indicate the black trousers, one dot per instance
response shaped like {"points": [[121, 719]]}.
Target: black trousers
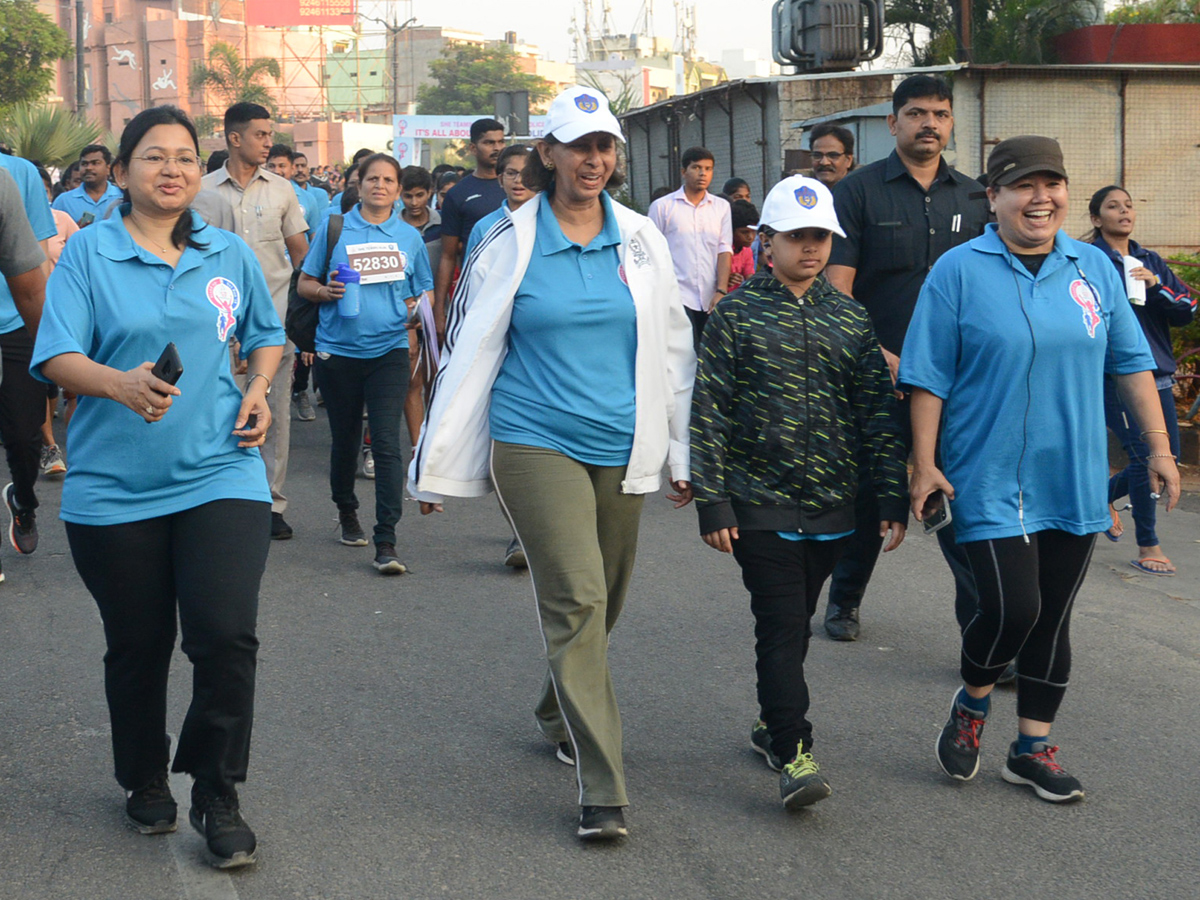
{"points": [[382, 383], [1026, 592], [697, 317], [784, 579], [22, 412], [853, 572], [206, 563]]}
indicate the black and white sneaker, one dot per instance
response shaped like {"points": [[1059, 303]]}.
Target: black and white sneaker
{"points": [[958, 744], [230, 841], [151, 809], [514, 556], [565, 753], [352, 532], [602, 823], [386, 560], [22, 523], [1041, 771], [760, 743]]}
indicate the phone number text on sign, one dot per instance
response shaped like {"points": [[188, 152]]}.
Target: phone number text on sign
{"points": [[378, 262]]}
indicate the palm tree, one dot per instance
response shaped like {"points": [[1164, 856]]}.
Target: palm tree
{"points": [[234, 81], [48, 134]]}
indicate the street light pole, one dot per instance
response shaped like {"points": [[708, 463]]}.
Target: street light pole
{"points": [[80, 80], [393, 31]]}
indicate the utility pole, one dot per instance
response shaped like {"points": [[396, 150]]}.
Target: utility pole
{"points": [[80, 79], [393, 31]]}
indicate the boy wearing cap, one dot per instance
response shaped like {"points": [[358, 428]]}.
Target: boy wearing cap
{"points": [[791, 391]]}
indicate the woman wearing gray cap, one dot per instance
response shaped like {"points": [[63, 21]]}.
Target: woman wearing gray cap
{"points": [[1007, 350], [569, 370]]}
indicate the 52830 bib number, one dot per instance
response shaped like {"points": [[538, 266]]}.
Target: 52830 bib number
{"points": [[377, 263]]}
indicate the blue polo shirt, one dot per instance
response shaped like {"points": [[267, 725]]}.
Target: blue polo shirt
{"points": [[380, 325], [308, 203], [971, 344], [567, 382], [482, 226], [37, 207], [119, 305], [318, 195], [77, 202]]}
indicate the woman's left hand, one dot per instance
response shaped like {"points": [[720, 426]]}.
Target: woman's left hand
{"points": [[684, 497], [254, 403], [1141, 273], [1164, 474]]}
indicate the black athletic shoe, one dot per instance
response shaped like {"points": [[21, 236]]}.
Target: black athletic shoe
{"points": [[230, 841], [151, 809], [352, 533], [841, 623], [760, 742], [1040, 771], [514, 556], [386, 561], [22, 523], [565, 753], [280, 530], [801, 782], [958, 744], [602, 823]]}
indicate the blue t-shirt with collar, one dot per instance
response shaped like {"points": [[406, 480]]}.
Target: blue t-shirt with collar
{"points": [[567, 382], [984, 327], [37, 207], [312, 210], [119, 305], [383, 313], [78, 201]]}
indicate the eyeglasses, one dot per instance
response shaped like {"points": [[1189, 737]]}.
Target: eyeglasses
{"points": [[832, 157], [158, 161]]}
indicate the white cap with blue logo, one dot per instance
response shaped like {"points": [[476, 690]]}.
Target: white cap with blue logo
{"points": [[578, 111], [800, 202]]}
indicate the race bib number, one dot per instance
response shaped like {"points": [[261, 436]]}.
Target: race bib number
{"points": [[377, 263]]}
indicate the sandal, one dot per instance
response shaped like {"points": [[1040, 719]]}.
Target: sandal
{"points": [[1139, 564], [1117, 529]]}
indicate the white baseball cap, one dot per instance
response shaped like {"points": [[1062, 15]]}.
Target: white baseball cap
{"points": [[578, 111], [799, 202]]}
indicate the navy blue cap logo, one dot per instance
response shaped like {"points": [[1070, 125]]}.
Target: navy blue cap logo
{"points": [[806, 197], [587, 103]]}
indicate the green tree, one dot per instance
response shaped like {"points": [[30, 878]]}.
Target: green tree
{"points": [[1156, 12], [49, 134], [30, 45], [1013, 31], [466, 75], [235, 81]]}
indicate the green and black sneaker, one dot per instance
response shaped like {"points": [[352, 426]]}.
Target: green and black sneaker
{"points": [[801, 782], [760, 743]]}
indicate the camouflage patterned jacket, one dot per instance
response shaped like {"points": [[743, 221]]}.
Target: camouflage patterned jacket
{"points": [[791, 396]]}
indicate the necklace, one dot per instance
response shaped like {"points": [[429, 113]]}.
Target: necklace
{"points": [[131, 220]]}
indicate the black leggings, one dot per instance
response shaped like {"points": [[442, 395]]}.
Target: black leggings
{"points": [[207, 563], [1026, 591]]}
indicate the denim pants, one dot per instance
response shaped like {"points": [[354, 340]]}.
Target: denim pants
{"points": [[381, 383], [1134, 481], [205, 564], [784, 579]]}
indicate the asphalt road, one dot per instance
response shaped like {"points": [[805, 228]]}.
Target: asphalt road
{"points": [[395, 754]]}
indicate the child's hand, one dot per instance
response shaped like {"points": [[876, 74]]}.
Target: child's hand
{"points": [[898, 530], [684, 497], [721, 540]]}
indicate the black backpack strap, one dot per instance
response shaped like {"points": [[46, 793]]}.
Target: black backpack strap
{"points": [[332, 235]]}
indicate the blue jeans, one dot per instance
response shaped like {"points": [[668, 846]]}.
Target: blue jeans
{"points": [[382, 383], [1134, 481]]}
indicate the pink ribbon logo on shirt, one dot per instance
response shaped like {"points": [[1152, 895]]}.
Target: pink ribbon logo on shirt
{"points": [[225, 296], [1081, 293]]}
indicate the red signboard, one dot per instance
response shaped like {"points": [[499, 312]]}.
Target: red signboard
{"points": [[281, 13]]}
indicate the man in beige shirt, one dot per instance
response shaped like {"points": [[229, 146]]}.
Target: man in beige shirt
{"points": [[262, 209]]}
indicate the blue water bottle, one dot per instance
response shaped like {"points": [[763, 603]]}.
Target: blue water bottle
{"points": [[348, 304]]}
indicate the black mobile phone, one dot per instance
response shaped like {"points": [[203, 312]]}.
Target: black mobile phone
{"points": [[936, 513], [169, 366]]}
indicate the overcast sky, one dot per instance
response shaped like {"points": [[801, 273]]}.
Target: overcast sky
{"points": [[721, 24]]}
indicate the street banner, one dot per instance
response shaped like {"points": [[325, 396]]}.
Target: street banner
{"points": [[285, 13], [409, 131]]}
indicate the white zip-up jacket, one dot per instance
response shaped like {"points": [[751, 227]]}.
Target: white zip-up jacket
{"points": [[453, 455]]}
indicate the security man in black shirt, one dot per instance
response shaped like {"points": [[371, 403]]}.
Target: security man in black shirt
{"points": [[899, 214]]}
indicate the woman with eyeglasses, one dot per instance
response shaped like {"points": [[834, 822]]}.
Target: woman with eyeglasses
{"points": [[166, 503]]}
